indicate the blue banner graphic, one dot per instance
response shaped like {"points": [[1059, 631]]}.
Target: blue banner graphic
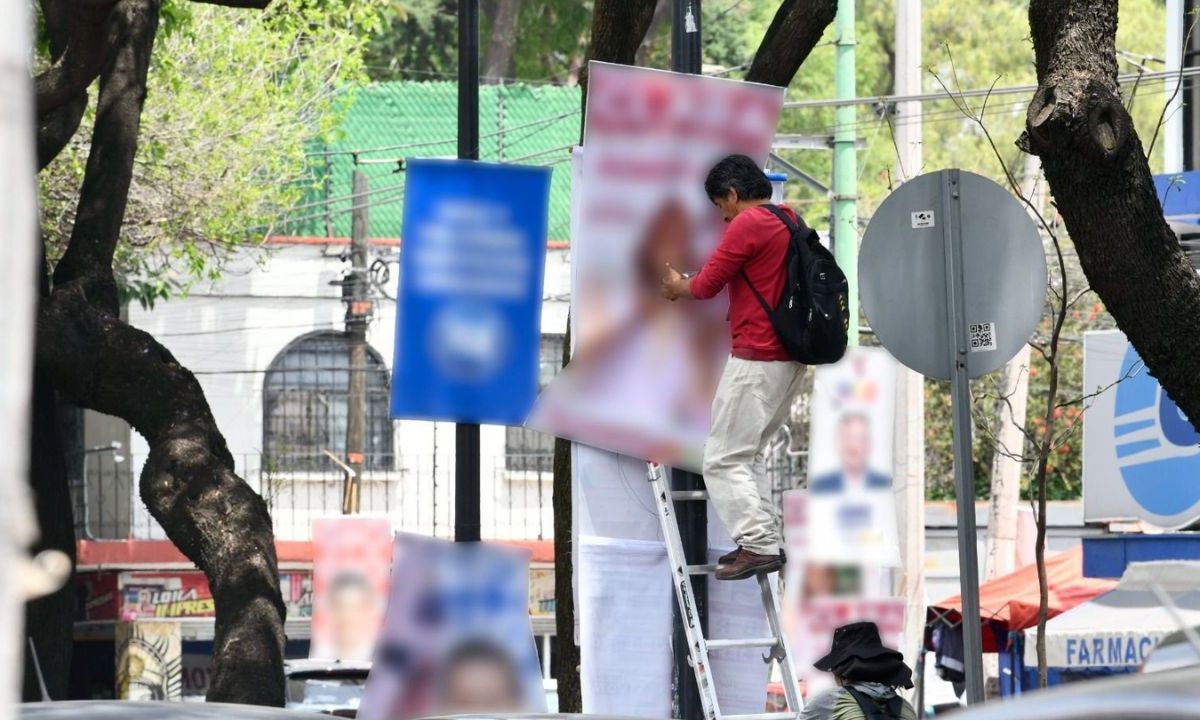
{"points": [[469, 303]]}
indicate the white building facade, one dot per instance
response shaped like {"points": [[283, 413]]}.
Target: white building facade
{"points": [[267, 344]]}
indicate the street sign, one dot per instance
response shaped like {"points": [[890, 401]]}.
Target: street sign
{"points": [[469, 302], [904, 257], [1141, 456], [953, 281]]}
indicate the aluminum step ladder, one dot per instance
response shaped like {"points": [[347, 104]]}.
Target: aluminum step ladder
{"points": [[698, 646]]}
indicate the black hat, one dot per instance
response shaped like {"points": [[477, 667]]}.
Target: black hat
{"points": [[858, 654]]}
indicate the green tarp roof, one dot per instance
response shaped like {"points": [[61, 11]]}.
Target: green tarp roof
{"points": [[529, 124]]}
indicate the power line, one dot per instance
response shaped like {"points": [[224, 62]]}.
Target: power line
{"points": [[976, 92]]}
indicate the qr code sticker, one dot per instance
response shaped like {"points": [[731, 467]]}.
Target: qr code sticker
{"points": [[983, 337]]}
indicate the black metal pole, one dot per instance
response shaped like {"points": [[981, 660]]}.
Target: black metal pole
{"points": [[466, 435], [692, 516]]}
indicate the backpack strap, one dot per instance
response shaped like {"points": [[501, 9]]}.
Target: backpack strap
{"points": [[794, 231], [872, 710]]}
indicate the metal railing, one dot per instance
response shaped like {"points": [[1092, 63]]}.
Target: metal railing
{"points": [[415, 491]]}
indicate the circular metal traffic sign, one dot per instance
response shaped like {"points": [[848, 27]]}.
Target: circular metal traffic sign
{"points": [[907, 265]]}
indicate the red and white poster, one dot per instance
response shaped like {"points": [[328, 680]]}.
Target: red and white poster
{"points": [[645, 369], [352, 561]]}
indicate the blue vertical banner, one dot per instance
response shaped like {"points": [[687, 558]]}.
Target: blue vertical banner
{"points": [[469, 303]]}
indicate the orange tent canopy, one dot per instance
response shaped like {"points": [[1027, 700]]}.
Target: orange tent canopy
{"points": [[1012, 600]]}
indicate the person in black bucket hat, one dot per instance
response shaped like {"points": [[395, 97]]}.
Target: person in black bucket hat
{"points": [[867, 675]]}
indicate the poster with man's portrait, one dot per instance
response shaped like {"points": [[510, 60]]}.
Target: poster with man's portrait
{"points": [[852, 501], [352, 560]]}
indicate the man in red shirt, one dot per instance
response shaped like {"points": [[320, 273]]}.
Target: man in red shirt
{"points": [[755, 393]]}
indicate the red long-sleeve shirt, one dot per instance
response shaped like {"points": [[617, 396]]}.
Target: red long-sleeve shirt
{"points": [[755, 241]]}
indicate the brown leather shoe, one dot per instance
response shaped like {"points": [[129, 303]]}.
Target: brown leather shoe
{"points": [[732, 555], [746, 564]]}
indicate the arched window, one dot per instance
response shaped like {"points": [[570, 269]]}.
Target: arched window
{"points": [[306, 399]]}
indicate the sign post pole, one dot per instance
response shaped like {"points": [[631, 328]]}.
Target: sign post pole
{"points": [[692, 516], [466, 435], [960, 400]]}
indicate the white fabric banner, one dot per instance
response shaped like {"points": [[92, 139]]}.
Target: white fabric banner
{"points": [[624, 627]]}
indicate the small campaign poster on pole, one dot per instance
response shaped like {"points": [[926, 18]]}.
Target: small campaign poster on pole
{"points": [[469, 302]]}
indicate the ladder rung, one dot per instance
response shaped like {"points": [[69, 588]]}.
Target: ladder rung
{"points": [[701, 569], [748, 642], [689, 494], [764, 716]]}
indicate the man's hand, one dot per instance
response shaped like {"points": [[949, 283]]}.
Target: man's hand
{"points": [[675, 285]]}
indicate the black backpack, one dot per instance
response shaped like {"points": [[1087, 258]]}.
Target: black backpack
{"points": [[812, 317]]}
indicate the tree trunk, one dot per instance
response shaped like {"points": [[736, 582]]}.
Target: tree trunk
{"points": [[570, 694], [662, 14], [1102, 186], [792, 35], [98, 362], [618, 27], [500, 62]]}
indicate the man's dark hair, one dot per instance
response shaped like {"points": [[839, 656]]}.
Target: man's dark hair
{"points": [[740, 173]]}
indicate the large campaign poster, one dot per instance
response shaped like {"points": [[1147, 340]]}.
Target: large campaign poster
{"points": [[1141, 456], [645, 369], [469, 301], [457, 638], [841, 532], [352, 559]]}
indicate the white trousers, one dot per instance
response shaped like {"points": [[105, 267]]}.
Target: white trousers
{"points": [[752, 402]]}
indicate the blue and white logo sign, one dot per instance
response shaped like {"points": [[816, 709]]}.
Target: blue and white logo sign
{"points": [[468, 317], [1141, 456]]}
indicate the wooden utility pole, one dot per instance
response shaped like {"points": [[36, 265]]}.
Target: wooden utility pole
{"points": [[357, 294], [1005, 500], [909, 438]]}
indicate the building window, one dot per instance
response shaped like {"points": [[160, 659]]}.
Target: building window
{"points": [[306, 400], [526, 450]]}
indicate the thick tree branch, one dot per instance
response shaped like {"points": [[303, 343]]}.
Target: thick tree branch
{"points": [[251, 4], [77, 66], [188, 482], [56, 129], [792, 35], [1103, 188], [105, 190]]}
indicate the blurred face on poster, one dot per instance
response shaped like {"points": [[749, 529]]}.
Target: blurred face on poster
{"points": [[480, 677], [354, 614], [854, 443]]}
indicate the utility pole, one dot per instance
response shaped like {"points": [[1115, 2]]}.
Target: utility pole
{"points": [[845, 163], [466, 435], [692, 516], [1004, 504], [909, 438], [356, 293]]}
